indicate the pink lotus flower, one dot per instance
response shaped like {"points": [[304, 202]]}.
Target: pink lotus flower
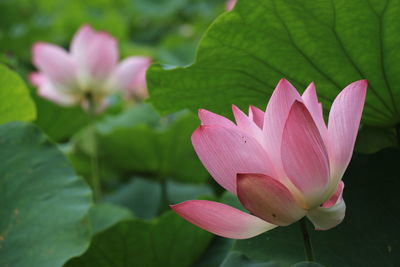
{"points": [[90, 68], [283, 164], [230, 4]]}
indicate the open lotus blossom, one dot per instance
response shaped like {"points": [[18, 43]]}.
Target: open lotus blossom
{"points": [[230, 4], [90, 69], [282, 165]]}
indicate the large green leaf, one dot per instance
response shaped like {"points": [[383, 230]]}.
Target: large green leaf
{"points": [[368, 236], [245, 53], [16, 104], [43, 203], [105, 215], [59, 123], [373, 139], [167, 241]]}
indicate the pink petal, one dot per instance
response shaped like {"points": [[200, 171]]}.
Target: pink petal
{"points": [[311, 102], [304, 155], [81, 38], [221, 219], [54, 62], [48, 91], [226, 151], [328, 216], [268, 199], [96, 54], [275, 117], [208, 118], [130, 75], [336, 197], [257, 116], [247, 125], [36, 78], [230, 4], [344, 121]]}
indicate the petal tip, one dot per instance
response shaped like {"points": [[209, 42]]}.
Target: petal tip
{"points": [[201, 113], [36, 46], [174, 206], [86, 27], [361, 83], [285, 86], [284, 83], [177, 208], [311, 86], [235, 109], [107, 36], [283, 80], [34, 78]]}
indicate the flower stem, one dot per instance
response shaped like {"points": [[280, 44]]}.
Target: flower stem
{"points": [[307, 240], [164, 196], [94, 159]]}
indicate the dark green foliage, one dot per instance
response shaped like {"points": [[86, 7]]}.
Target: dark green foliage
{"points": [[168, 241], [43, 206]]}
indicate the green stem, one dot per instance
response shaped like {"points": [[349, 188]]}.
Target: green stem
{"points": [[307, 240], [164, 196], [94, 159]]}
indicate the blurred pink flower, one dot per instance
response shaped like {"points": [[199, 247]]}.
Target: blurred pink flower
{"points": [[282, 165], [230, 4], [90, 68]]}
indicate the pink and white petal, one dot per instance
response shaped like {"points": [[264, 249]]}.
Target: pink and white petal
{"points": [[81, 39], [344, 121], [275, 117], [268, 199], [304, 155], [36, 78], [221, 219], [327, 218], [48, 91], [225, 152], [209, 118], [130, 74], [256, 115], [55, 63], [96, 54], [311, 102], [247, 125], [336, 197]]}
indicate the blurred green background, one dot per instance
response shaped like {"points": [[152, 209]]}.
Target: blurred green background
{"points": [[168, 30]]}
